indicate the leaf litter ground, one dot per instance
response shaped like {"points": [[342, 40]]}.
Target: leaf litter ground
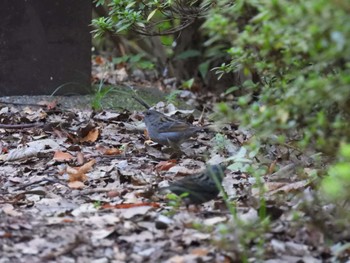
{"points": [[79, 186]]}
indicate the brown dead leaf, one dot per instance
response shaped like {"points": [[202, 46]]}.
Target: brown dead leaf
{"points": [[145, 132], [91, 136], [214, 220], [59, 133], [182, 259], [6, 235], [113, 193], [201, 252], [87, 167], [108, 151], [62, 156], [277, 187], [272, 167], [291, 187], [99, 60], [79, 173], [10, 210], [78, 177], [4, 149], [165, 165], [50, 105], [285, 172], [76, 185], [181, 170], [126, 206], [272, 186], [113, 151], [67, 220], [269, 187], [80, 158], [120, 74]]}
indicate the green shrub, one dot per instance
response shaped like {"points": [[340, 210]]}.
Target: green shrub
{"points": [[336, 185], [298, 54]]}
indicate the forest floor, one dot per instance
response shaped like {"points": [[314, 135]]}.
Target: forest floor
{"points": [[77, 185]]}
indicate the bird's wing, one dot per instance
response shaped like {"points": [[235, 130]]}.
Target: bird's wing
{"points": [[171, 125], [191, 183]]}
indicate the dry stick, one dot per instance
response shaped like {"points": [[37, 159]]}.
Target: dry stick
{"points": [[95, 191], [40, 181], [21, 104], [68, 248], [21, 125], [21, 195]]}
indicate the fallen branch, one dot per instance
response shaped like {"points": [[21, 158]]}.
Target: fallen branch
{"points": [[21, 125], [40, 181]]}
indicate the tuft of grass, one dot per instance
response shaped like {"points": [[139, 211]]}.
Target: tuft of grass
{"points": [[101, 92], [172, 97], [97, 204], [175, 202]]}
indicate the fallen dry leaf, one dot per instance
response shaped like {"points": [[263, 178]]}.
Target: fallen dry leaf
{"points": [[165, 165], [91, 136], [201, 252], [86, 167], [127, 206], [10, 210], [99, 60], [62, 156], [133, 211], [76, 184], [108, 151], [291, 187], [80, 158], [79, 173], [128, 228]]}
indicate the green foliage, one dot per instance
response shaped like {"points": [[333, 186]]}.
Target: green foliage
{"points": [[188, 83], [220, 142], [175, 203], [299, 54], [134, 61], [336, 184], [97, 204], [163, 19], [190, 53], [171, 98], [243, 161], [124, 15], [100, 93]]}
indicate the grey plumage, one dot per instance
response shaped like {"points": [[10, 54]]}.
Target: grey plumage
{"points": [[168, 131], [200, 187]]}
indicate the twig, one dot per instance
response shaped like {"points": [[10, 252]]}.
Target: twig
{"points": [[95, 191], [21, 104], [40, 181], [21, 125], [18, 197], [64, 250]]}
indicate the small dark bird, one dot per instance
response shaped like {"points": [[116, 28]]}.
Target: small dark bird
{"points": [[168, 131], [201, 187]]}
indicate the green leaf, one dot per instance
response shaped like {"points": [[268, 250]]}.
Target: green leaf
{"points": [[188, 54], [345, 150], [203, 68], [188, 83], [231, 89], [149, 17]]}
